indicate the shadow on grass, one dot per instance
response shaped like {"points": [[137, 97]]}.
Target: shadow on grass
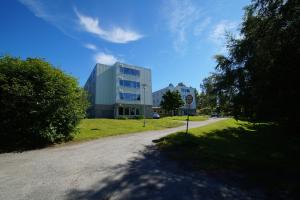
{"points": [[151, 176], [264, 152]]}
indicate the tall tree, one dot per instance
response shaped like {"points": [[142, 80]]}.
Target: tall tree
{"points": [[260, 74], [171, 101]]}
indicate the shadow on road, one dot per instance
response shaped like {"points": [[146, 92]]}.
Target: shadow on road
{"points": [[151, 176]]}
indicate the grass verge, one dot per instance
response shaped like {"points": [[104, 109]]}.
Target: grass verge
{"points": [[266, 153], [96, 128]]}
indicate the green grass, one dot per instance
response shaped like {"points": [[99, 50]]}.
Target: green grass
{"points": [[191, 118], [269, 154], [96, 128]]}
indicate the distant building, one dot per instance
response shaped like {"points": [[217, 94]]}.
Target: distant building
{"points": [[118, 90], [183, 91]]}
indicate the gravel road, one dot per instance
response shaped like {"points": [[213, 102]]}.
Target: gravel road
{"points": [[120, 167]]}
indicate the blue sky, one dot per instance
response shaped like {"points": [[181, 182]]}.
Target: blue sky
{"points": [[177, 39]]}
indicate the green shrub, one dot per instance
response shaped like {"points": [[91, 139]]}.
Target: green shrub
{"points": [[139, 117], [39, 103]]}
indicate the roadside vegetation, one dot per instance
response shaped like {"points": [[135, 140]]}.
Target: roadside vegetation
{"points": [[40, 104], [258, 78], [191, 118], [256, 150], [171, 102], [96, 128]]}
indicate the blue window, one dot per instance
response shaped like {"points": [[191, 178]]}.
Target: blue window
{"points": [[130, 96], [125, 70], [130, 84], [185, 90]]}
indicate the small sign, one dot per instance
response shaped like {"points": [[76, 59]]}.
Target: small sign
{"points": [[189, 99]]}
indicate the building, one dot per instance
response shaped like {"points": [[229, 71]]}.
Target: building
{"points": [[119, 90], [183, 91]]}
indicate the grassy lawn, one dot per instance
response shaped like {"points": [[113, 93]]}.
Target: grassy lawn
{"points": [[191, 118], [266, 153], [97, 128]]}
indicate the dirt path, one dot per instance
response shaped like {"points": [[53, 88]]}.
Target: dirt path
{"points": [[121, 167]]}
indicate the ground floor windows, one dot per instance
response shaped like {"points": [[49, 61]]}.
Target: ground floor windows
{"points": [[129, 111], [121, 111], [126, 111], [132, 111]]}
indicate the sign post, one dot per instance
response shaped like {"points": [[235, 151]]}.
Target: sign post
{"points": [[188, 101]]}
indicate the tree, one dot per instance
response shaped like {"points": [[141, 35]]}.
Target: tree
{"points": [[260, 74], [39, 103], [208, 96], [171, 101], [197, 99]]}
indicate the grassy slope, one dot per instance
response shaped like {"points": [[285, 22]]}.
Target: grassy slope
{"points": [[266, 152], [191, 118], [97, 128]]}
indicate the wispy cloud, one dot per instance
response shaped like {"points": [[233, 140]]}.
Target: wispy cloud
{"points": [[104, 58], [115, 35], [220, 31], [37, 8], [200, 27], [49, 12], [90, 46], [181, 15]]}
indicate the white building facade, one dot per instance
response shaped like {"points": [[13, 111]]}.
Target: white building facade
{"points": [[119, 90], [183, 91]]}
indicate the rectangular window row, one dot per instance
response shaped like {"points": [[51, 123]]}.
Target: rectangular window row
{"points": [[128, 71], [129, 111], [185, 90], [130, 96], [130, 84]]}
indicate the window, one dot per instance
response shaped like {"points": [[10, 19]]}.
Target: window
{"points": [[132, 111], [130, 96], [126, 111], [130, 84], [137, 111], [185, 90], [125, 70], [121, 110]]}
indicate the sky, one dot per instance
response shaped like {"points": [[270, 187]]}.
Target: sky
{"points": [[176, 39]]}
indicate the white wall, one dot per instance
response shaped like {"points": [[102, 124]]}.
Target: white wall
{"points": [[105, 85], [157, 96]]}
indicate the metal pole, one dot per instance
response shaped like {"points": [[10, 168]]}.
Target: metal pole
{"points": [[187, 120], [144, 86]]}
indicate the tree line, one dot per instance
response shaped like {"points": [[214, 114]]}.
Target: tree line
{"points": [[258, 79]]}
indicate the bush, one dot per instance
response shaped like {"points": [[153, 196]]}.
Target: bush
{"points": [[39, 103], [139, 117]]}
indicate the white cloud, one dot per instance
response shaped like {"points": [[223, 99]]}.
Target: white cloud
{"points": [[199, 28], [180, 14], [51, 12], [218, 34], [104, 58], [184, 18], [90, 46], [37, 8], [116, 34]]}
